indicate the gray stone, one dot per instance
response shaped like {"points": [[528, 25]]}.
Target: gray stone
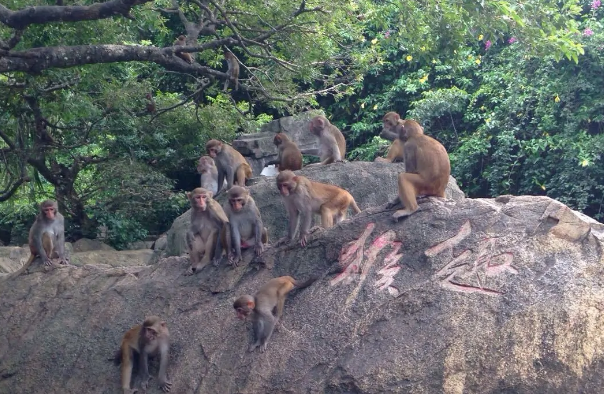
{"points": [[468, 296], [372, 184], [86, 245]]}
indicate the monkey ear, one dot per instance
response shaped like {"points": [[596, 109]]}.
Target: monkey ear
{"points": [[188, 194], [210, 194]]}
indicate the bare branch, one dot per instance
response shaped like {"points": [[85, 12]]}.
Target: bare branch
{"points": [[46, 14]]}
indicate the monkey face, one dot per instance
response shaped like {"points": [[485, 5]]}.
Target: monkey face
{"points": [[390, 121], [237, 203], [242, 313], [149, 333], [49, 212], [205, 164], [200, 199]]}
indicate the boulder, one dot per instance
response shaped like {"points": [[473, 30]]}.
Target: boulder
{"points": [[371, 184], [87, 245], [470, 296], [258, 148]]}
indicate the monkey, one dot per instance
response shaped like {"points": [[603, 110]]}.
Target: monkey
{"points": [[182, 41], [395, 151], [151, 108], [209, 174], [148, 339], [331, 140], [427, 168], [290, 157], [269, 299], [230, 164], [208, 222], [232, 71], [305, 197], [245, 224], [46, 237]]}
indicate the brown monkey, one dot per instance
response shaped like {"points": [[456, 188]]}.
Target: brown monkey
{"points": [[149, 339], [232, 71], [395, 152], [269, 298], [46, 237], [427, 167], [209, 174], [245, 224], [305, 197], [182, 41], [151, 108], [290, 157], [208, 222], [230, 164], [331, 140]]}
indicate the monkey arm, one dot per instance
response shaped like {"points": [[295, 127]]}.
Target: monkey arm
{"points": [[230, 177], [38, 242], [410, 155], [189, 238], [220, 180], [162, 378], [305, 225], [388, 135], [236, 240], [258, 228], [294, 216], [60, 245], [144, 368]]}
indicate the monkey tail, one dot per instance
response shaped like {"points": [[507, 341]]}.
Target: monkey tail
{"points": [[354, 206], [22, 269], [307, 282]]}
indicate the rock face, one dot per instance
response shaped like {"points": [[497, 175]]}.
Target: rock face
{"points": [[258, 148], [88, 245], [470, 296], [371, 184]]}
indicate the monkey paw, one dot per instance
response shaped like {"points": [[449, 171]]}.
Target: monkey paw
{"points": [[166, 386], [189, 272], [48, 263]]}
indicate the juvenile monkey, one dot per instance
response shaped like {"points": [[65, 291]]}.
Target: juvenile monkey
{"points": [[46, 237], [232, 71], [151, 108], [230, 164], [331, 140], [427, 167], [395, 152], [149, 339], [270, 298], [209, 174], [245, 224], [305, 197], [208, 222], [182, 41], [290, 157]]}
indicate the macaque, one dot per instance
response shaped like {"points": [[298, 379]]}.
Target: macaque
{"points": [[151, 108], [230, 164], [149, 339], [395, 152], [208, 222], [305, 197], [209, 174], [270, 297], [245, 224], [290, 157], [331, 140], [232, 71], [182, 41], [427, 168], [46, 237]]}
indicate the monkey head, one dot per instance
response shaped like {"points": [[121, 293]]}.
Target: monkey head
{"points": [[48, 209], [318, 124], [287, 182], [408, 128], [389, 121], [205, 164], [151, 327], [182, 38], [238, 197], [213, 148], [280, 138], [244, 305], [199, 198]]}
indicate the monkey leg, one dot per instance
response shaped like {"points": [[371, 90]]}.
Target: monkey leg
{"points": [[326, 217], [408, 185], [208, 250], [48, 246], [197, 249]]}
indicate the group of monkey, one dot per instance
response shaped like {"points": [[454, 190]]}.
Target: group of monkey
{"points": [[238, 225]]}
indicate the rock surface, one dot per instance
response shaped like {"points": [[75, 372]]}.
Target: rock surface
{"points": [[88, 245], [471, 296], [371, 185], [258, 148]]}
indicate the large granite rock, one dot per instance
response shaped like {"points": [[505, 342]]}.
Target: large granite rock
{"points": [[469, 296], [258, 148], [371, 184]]}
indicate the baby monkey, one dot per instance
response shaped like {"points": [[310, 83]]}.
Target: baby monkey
{"points": [[245, 224], [270, 298], [149, 339]]}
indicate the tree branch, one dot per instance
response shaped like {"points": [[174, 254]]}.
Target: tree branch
{"points": [[46, 14]]}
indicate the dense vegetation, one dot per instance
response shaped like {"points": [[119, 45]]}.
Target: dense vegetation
{"points": [[512, 90]]}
